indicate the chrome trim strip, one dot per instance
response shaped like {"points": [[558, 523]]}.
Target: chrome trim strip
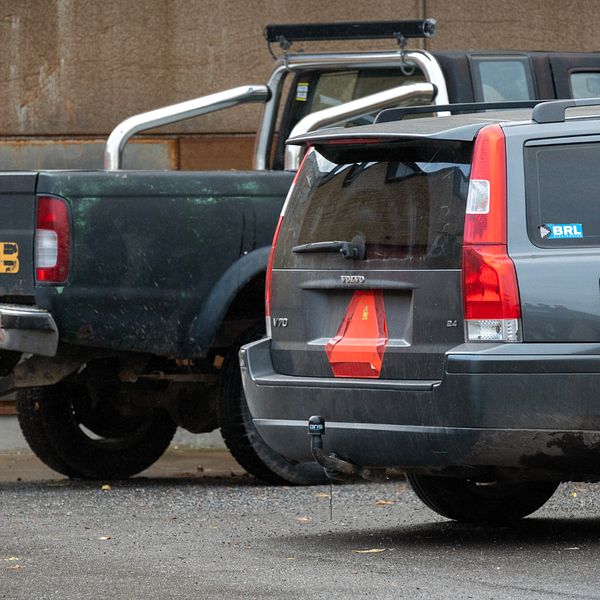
{"points": [[427, 429], [432, 429], [277, 380]]}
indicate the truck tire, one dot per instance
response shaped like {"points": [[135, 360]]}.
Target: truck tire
{"points": [[243, 440], [471, 501], [32, 428], [72, 438]]}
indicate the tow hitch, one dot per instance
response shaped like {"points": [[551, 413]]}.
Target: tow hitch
{"points": [[337, 468]]}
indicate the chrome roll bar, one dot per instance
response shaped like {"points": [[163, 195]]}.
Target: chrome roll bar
{"points": [[354, 108], [113, 151], [270, 95], [422, 59]]}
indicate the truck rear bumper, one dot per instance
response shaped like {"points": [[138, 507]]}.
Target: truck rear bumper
{"points": [[530, 412], [27, 329]]}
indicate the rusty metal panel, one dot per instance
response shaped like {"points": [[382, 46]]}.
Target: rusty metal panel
{"points": [[85, 154]]}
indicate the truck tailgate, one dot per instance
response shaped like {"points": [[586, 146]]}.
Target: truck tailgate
{"points": [[17, 228]]}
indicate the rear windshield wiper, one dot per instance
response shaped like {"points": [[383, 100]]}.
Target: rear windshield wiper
{"points": [[354, 250]]}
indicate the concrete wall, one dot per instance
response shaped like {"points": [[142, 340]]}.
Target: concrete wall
{"points": [[75, 68]]}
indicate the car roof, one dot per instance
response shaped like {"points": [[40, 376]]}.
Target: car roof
{"points": [[452, 128]]}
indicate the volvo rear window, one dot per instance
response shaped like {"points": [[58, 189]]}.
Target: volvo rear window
{"points": [[563, 204], [407, 211]]}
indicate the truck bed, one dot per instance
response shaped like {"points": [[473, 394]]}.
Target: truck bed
{"points": [[148, 250]]}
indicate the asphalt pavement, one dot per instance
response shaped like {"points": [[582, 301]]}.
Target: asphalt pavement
{"points": [[194, 526]]}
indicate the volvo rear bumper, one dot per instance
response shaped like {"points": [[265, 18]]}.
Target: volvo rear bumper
{"points": [[521, 408]]}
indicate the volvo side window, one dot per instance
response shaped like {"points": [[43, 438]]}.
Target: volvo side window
{"points": [[563, 204]]}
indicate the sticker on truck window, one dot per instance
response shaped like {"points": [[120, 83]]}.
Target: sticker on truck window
{"points": [[561, 231], [9, 257], [302, 92]]}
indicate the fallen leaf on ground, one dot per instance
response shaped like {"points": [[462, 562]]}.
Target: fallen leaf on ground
{"points": [[105, 537], [369, 551], [106, 488], [303, 519], [321, 495], [385, 502], [15, 567], [573, 494], [10, 558]]}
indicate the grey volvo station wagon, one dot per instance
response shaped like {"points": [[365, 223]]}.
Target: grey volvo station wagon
{"points": [[433, 305]]}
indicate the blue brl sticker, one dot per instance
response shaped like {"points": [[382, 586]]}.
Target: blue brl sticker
{"points": [[561, 231]]}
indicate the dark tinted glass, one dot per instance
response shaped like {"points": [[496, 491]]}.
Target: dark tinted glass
{"points": [[408, 213], [319, 90], [563, 204]]}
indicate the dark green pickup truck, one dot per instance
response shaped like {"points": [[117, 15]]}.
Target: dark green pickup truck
{"points": [[125, 295]]}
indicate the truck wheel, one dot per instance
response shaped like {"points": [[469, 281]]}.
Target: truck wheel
{"points": [[73, 437], [28, 413], [472, 501], [242, 438]]}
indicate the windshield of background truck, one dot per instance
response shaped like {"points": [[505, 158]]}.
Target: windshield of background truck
{"points": [[408, 211]]}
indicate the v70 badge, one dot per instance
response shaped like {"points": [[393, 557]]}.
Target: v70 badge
{"points": [[279, 321]]}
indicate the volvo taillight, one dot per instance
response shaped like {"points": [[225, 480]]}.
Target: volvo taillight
{"points": [[492, 308], [52, 240], [270, 272], [274, 244]]}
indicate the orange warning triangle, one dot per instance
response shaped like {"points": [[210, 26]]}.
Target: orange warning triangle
{"points": [[357, 349]]}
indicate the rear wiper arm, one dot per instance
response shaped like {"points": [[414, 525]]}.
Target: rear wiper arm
{"points": [[354, 250]]}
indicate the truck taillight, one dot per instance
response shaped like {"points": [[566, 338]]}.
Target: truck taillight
{"points": [[492, 308], [52, 240]]}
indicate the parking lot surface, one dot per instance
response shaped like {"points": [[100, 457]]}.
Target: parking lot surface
{"points": [[195, 526]]}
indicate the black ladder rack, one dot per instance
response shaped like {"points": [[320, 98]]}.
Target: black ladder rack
{"points": [[354, 30]]}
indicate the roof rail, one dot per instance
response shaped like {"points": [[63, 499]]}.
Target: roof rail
{"points": [[554, 111], [397, 114], [353, 30]]}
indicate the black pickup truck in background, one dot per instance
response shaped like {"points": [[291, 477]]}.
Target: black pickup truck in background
{"points": [[125, 295]]}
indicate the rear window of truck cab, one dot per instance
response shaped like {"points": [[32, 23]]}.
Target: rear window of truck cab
{"points": [[562, 196], [502, 78], [317, 90], [406, 205]]}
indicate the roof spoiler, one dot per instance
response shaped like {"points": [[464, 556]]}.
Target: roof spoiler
{"points": [[397, 114]]}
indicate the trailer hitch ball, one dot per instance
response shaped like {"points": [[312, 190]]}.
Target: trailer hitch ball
{"points": [[316, 426], [316, 430], [335, 467]]}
